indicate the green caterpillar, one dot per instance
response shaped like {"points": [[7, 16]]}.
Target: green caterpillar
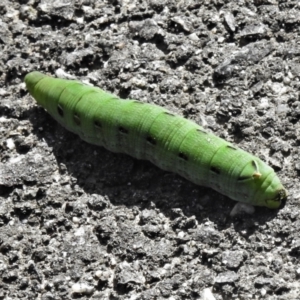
{"points": [[150, 132]]}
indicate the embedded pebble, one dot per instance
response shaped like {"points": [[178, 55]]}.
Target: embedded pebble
{"points": [[82, 288], [207, 295], [227, 277], [240, 208]]}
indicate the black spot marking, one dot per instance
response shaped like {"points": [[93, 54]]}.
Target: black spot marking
{"points": [[242, 178], [97, 124], [183, 156], [151, 140], [60, 110], [215, 170], [202, 131], [76, 119], [231, 147], [123, 130], [137, 102], [169, 114]]}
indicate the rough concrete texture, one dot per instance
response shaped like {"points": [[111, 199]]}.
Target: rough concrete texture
{"points": [[80, 222]]}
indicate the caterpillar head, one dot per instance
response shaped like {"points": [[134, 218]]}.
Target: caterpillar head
{"points": [[265, 184], [278, 197], [272, 192]]}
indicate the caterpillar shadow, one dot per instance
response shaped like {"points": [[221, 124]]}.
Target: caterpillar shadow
{"points": [[131, 182]]}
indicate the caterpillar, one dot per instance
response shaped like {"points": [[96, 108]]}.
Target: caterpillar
{"points": [[153, 133]]}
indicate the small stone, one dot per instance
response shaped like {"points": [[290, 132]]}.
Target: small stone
{"points": [[82, 288], [241, 208], [207, 295], [227, 277], [232, 259], [230, 21]]}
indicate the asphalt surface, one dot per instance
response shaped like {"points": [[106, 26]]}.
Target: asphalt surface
{"points": [[80, 222]]}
